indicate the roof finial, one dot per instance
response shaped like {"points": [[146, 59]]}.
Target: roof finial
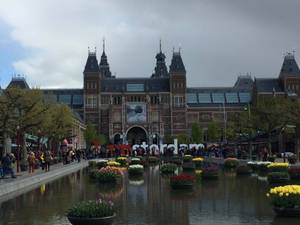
{"points": [[103, 39], [88, 49], [173, 50], [179, 47], [294, 52], [160, 44]]}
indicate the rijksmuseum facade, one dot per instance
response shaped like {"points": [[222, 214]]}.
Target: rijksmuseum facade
{"points": [[153, 108]]}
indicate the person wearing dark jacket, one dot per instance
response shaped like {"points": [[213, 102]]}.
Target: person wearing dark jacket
{"points": [[7, 162]]}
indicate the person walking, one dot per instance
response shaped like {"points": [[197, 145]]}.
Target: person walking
{"points": [[47, 160], [31, 162], [7, 163]]}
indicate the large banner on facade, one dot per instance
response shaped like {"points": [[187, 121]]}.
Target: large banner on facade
{"points": [[136, 113]]}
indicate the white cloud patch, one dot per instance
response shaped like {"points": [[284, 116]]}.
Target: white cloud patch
{"points": [[219, 39]]}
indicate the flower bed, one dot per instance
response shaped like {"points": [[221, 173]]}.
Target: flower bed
{"points": [[109, 174], [122, 161], [153, 160], [231, 163], [285, 200], [294, 173], [198, 162], [136, 170], [101, 163], [210, 173], [259, 165], [187, 158], [278, 167], [176, 160], [182, 181], [168, 168], [135, 161], [113, 163], [243, 170], [188, 166], [91, 212], [278, 177]]}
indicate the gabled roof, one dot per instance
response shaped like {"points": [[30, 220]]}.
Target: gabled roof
{"points": [[268, 85], [144, 84], [289, 66], [91, 63], [177, 63], [18, 82]]}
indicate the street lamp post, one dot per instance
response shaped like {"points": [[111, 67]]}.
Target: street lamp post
{"points": [[18, 149], [39, 141], [225, 120]]}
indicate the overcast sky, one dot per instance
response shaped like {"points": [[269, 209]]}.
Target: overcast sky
{"points": [[47, 40]]}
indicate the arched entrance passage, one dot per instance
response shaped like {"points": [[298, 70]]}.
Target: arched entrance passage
{"points": [[117, 139], [136, 135]]}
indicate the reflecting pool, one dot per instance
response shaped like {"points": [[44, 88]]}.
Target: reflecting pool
{"points": [[150, 200]]}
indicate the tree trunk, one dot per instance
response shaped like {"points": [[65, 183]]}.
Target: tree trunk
{"points": [[250, 149], [24, 148], [270, 143], [4, 144]]}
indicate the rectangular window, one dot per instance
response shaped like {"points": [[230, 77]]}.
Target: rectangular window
{"points": [[218, 97], [204, 98], [117, 100], [134, 87], [104, 99], [91, 102], [244, 97], [178, 101], [77, 99], [154, 100], [65, 99], [191, 98], [232, 98]]}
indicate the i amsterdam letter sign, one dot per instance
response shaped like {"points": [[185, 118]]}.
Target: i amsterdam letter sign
{"points": [[152, 147]]}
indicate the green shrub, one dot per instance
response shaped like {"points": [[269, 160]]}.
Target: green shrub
{"points": [[168, 168], [231, 163], [92, 209]]}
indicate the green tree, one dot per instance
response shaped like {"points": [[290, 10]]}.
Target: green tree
{"points": [[181, 138], [90, 134], [196, 133], [57, 124], [101, 139], [213, 133], [270, 114]]}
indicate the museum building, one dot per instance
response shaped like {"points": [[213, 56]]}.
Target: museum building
{"points": [[153, 108]]}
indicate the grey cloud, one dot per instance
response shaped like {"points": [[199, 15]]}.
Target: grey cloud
{"points": [[219, 38]]}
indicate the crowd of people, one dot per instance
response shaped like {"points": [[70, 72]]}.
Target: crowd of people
{"points": [[68, 155]]}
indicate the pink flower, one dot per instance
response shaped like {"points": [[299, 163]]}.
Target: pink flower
{"points": [[110, 203]]}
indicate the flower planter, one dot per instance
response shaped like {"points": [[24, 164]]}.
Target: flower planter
{"points": [[92, 221], [181, 186], [287, 212]]}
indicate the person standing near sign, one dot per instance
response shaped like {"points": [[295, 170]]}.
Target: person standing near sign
{"points": [[47, 160]]}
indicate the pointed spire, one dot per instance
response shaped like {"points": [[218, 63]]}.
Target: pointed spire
{"points": [[104, 66], [103, 44], [160, 45], [161, 69], [91, 62], [289, 66], [177, 63]]}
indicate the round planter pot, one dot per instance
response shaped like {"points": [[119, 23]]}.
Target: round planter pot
{"points": [[287, 212], [92, 221], [181, 186]]}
